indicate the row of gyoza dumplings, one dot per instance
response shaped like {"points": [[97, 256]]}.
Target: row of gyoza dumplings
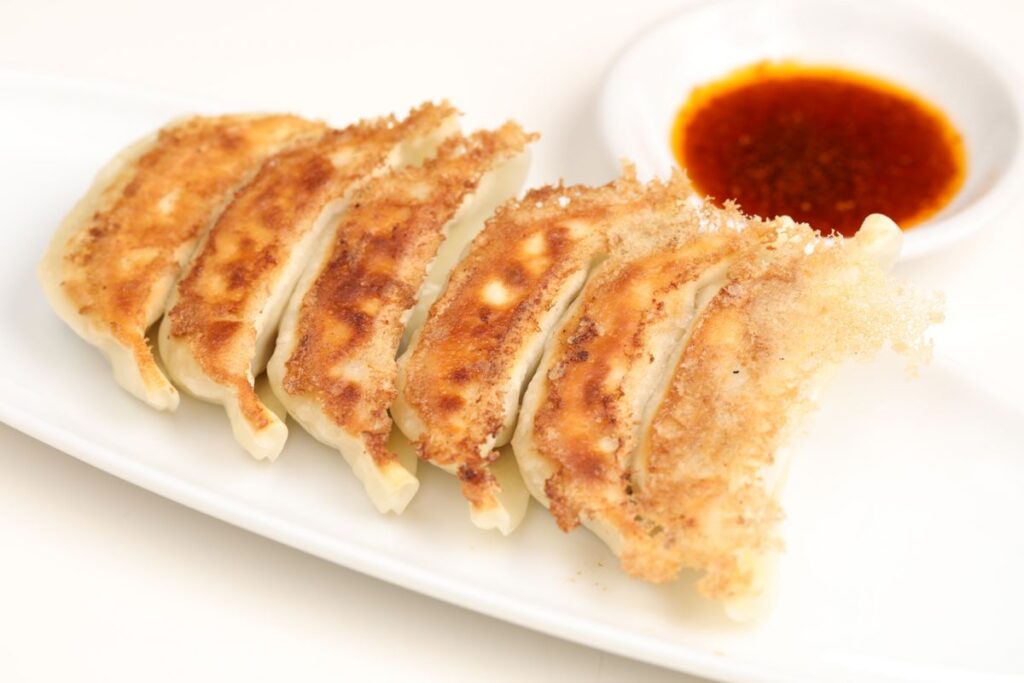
{"points": [[212, 222], [670, 343]]}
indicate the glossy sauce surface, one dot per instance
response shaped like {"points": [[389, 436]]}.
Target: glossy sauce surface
{"points": [[823, 145]]}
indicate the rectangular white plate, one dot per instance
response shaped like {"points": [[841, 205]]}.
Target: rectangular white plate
{"points": [[905, 548]]}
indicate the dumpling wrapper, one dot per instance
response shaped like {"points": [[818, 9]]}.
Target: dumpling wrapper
{"points": [[461, 379], [674, 466], [112, 263], [223, 314], [384, 260]]}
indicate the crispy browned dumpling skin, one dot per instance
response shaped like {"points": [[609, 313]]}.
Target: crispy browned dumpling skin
{"points": [[113, 261], [750, 372], [460, 382], [225, 309], [671, 466], [334, 366], [608, 356]]}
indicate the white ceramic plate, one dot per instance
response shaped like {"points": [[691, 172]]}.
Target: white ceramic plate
{"points": [[904, 550], [653, 77]]}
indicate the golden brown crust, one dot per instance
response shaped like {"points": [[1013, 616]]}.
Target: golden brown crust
{"points": [[465, 373], [745, 379], [627, 319], [458, 367], [352, 318], [118, 268], [681, 483], [238, 268]]}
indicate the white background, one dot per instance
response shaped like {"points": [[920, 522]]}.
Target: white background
{"points": [[101, 580]]}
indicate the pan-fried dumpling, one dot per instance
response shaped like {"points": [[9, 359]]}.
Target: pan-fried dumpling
{"points": [[461, 378], [334, 364], [223, 314], [667, 390], [112, 262]]}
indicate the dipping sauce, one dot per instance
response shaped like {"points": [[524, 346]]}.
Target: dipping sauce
{"points": [[824, 145]]}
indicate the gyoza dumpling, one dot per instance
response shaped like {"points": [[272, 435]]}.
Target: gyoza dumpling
{"points": [[663, 398], [111, 265], [460, 380], [334, 364], [223, 313]]}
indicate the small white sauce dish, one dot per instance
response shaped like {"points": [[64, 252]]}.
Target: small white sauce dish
{"points": [[652, 78]]}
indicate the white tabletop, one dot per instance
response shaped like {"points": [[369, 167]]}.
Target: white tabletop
{"points": [[102, 580]]}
